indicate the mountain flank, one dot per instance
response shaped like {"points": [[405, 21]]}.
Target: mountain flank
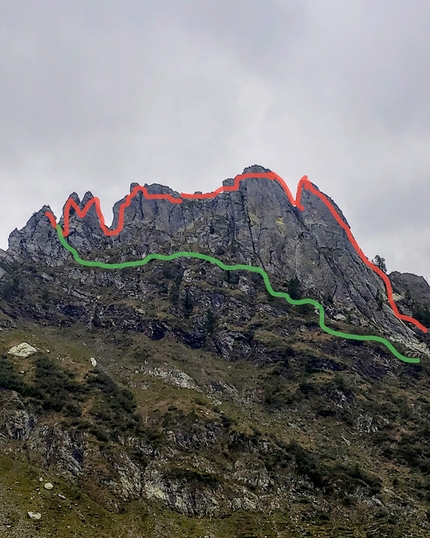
{"points": [[177, 399]]}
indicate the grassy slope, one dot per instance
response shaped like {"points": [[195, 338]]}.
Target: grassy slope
{"points": [[295, 403], [73, 348]]}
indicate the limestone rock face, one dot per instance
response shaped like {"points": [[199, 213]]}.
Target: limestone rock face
{"points": [[22, 350], [255, 225]]}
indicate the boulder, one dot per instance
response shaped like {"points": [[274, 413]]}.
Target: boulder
{"points": [[22, 350]]}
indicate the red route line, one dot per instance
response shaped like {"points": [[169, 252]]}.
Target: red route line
{"points": [[304, 184]]}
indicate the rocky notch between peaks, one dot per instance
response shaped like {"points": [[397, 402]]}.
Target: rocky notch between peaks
{"points": [[255, 225]]}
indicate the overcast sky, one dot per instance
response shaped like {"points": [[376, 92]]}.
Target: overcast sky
{"points": [[96, 94]]}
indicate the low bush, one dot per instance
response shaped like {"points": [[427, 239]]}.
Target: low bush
{"points": [[9, 378], [53, 387]]}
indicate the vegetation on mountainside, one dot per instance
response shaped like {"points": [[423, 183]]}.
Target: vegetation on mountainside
{"points": [[223, 389]]}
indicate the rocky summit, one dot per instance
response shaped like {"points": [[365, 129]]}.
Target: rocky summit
{"points": [[177, 399]]}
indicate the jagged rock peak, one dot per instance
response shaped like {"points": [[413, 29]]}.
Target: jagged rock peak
{"points": [[87, 197], [154, 188], [256, 169], [36, 233], [75, 197]]}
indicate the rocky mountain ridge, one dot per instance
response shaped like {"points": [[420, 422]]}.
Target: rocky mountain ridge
{"points": [[255, 225], [177, 399]]}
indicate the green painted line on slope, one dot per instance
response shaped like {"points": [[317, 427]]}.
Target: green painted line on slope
{"points": [[237, 267]]}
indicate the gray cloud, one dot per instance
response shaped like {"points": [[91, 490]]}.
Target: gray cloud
{"points": [[95, 95]]}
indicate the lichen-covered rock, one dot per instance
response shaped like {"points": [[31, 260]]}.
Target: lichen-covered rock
{"points": [[22, 350], [172, 376], [179, 492], [252, 473], [52, 445], [129, 483], [19, 424]]}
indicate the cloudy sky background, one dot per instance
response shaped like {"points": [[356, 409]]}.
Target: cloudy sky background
{"points": [[96, 94]]}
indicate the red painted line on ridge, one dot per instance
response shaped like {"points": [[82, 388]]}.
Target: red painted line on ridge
{"points": [[304, 184], [51, 219]]}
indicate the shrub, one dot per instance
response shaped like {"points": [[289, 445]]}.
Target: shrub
{"points": [[172, 271], [188, 304], [307, 388], [9, 379], [232, 277], [194, 476], [210, 321], [275, 395], [308, 465], [115, 406], [11, 289], [305, 309], [379, 299], [72, 410], [52, 386], [174, 293], [380, 263], [423, 316], [355, 472], [339, 381], [293, 288], [99, 433]]}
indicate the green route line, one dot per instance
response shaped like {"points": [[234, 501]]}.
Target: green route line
{"points": [[237, 267]]}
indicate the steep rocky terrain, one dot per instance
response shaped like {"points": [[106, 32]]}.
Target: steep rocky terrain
{"points": [[177, 399]]}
